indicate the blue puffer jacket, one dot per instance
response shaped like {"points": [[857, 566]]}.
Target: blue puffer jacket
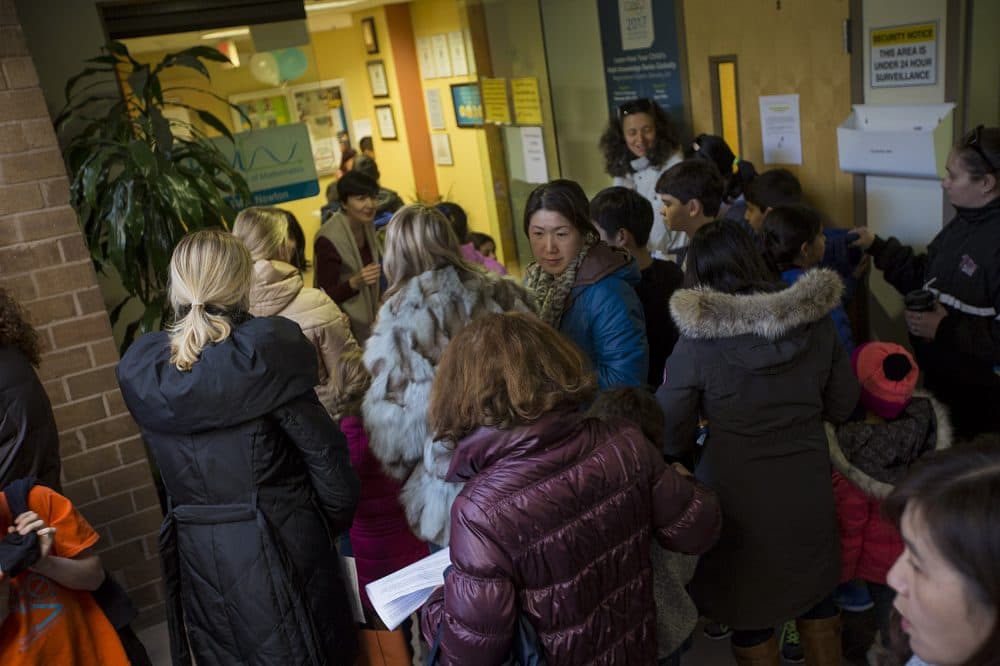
{"points": [[838, 314], [604, 318]]}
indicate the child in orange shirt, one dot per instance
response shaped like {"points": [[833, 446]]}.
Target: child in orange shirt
{"points": [[47, 612]]}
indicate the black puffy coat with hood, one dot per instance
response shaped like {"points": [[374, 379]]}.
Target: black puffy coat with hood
{"points": [[259, 483]]}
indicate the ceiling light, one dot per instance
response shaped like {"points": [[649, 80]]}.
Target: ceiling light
{"points": [[337, 4], [222, 34]]}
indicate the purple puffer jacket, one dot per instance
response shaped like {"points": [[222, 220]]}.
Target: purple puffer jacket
{"points": [[380, 536], [555, 521]]}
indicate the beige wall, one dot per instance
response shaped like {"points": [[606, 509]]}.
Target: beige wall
{"points": [[797, 49]]}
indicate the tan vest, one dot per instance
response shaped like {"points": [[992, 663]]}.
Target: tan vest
{"points": [[363, 306]]}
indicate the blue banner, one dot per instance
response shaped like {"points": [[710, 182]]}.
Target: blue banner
{"points": [[277, 163], [642, 54]]}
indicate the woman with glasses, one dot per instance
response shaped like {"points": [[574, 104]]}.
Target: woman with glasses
{"points": [[639, 144], [348, 256], [957, 335]]}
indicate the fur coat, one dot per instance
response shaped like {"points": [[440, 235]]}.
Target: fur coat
{"points": [[765, 370], [411, 332]]}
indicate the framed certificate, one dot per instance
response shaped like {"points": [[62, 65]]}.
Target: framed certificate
{"points": [[377, 79], [386, 122]]}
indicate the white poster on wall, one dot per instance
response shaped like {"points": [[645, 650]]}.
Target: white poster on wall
{"points": [[904, 55], [781, 129], [459, 63], [533, 148], [442, 55], [425, 56], [435, 112]]}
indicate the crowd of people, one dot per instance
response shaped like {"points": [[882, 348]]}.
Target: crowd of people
{"points": [[669, 416]]}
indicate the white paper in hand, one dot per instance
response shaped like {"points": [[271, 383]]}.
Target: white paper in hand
{"points": [[400, 594]]}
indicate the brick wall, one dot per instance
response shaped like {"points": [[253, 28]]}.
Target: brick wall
{"points": [[45, 264]]}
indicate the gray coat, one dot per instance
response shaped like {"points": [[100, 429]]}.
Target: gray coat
{"points": [[765, 370]]}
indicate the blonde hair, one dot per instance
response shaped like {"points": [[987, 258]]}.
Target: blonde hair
{"points": [[419, 239], [210, 275], [351, 379], [264, 231]]}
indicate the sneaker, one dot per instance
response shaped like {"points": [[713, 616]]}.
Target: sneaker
{"points": [[791, 646], [717, 631], [853, 597]]}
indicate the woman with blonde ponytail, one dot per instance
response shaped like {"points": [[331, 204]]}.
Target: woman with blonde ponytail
{"points": [[277, 289], [258, 478]]}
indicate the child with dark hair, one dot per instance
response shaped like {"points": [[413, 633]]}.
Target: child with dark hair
{"points": [[901, 425], [623, 219], [484, 244], [690, 194], [460, 225], [777, 187], [736, 173], [795, 242], [676, 615]]}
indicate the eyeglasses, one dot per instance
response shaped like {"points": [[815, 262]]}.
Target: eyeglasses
{"points": [[644, 105], [973, 142]]}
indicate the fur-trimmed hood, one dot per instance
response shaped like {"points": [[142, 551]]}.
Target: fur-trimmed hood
{"points": [[874, 456], [703, 313], [412, 330]]}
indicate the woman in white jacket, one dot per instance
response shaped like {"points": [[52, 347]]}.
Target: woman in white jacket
{"points": [[640, 143], [278, 289]]}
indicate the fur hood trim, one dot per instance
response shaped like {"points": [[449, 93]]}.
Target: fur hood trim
{"points": [[873, 487], [412, 330], [703, 313]]}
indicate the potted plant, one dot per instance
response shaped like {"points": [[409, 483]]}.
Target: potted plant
{"points": [[137, 183]]}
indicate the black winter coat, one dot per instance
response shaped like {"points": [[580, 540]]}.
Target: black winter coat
{"points": [[29, 439], [259, 483], [765, 370]]}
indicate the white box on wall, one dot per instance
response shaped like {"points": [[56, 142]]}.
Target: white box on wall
{"points": [[910, 140]]}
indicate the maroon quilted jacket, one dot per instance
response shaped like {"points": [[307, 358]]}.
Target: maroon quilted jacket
{"points": [[555, 521]]}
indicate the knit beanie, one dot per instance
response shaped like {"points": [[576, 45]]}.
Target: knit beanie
{"points": [[887, 374]]}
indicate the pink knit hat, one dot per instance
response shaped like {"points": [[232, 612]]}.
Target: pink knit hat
{"points": [[887, 374]]}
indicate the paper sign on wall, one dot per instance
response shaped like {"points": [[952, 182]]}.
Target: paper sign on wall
{"points": [[533, 149], [527, 106], [496, 107], [904, 55], [780, 128], [425, 56], [442, 55], [435, 112]]}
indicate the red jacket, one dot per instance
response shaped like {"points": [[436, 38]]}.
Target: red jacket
{"points": [[556, 521], [869, 458]]}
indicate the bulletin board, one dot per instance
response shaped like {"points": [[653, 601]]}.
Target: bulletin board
{"points": [[321, 106]]}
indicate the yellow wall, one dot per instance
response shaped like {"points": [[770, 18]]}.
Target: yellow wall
{"points": [[468, 182]]}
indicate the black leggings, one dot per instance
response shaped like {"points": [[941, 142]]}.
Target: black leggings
{"points": [[746, 638]]}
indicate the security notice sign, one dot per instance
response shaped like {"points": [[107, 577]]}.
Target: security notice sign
{"points": [[904, 55]]}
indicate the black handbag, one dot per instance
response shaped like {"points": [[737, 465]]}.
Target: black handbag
{"points": [[524, 651]]}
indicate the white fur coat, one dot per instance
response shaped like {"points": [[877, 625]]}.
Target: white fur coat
{"points": [[411, 332]]}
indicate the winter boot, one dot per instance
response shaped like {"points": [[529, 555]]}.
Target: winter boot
{"points": [[821, 641], [765, 654]]}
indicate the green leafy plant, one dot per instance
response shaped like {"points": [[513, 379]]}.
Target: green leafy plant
{"points": [[140, 178]]}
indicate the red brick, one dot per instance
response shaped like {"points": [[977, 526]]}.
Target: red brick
{"points": [[145, 497], [104, 352], [138, 524], [26, 104], [83, 329], [74, 249], [91, 382], [23, 258], [12, 139], [20, 198], [55, 191], [142, 572], [21, 287], [133, 449], [79, 413], [12, 42], [115, 402], [90, 301], [64, 278], [106, 509], [125, 477], [90, 462], [80, 492], [56, 391], [47, 310], [39, 133], [115, 557], [109, 430], [70, 443], [48, 223], [64, 362], [25, 167], [20, 73]]}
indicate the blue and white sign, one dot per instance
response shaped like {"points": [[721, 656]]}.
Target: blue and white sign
{"points": [[277, 163], [641, 54]]}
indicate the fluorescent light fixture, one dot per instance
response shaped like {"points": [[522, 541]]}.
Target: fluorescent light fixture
{"points": [[337, 4], [222, 34]]}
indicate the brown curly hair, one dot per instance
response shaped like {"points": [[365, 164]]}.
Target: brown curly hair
{"points": [[16, 331]]}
